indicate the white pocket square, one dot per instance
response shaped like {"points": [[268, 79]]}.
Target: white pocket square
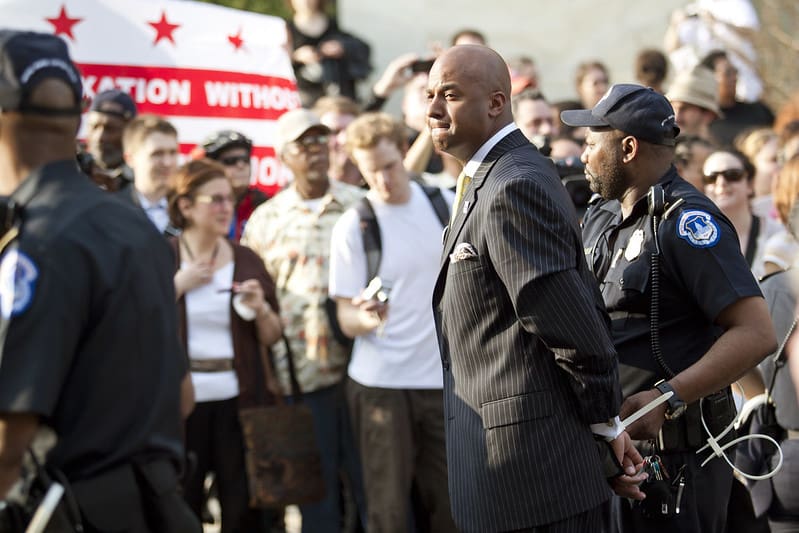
{"points": [[462, 252]]}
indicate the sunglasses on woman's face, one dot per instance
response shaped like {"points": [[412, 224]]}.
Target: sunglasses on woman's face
{"points": [[732, 175]]}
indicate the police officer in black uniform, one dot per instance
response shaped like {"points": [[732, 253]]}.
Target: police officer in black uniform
{"points": [[88, 341], [687, 316]]}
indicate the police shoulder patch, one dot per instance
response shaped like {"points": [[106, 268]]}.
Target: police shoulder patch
{"points": [[698, 228], [18, 275]]}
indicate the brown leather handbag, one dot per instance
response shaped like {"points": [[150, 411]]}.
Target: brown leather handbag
{"points": [[281, 449]]}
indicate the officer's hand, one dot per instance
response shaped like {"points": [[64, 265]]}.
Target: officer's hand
{"points": [[649, 425], [193, 275], [252, 295]]}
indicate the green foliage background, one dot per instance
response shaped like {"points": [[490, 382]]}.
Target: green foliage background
{"points": [[267, 7], [279, 8]]}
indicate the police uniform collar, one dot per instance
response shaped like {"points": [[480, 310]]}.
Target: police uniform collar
{"points": [[56, 170], [641, 206]]}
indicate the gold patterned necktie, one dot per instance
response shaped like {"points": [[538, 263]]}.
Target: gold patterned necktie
{"points": [[460, 190]]}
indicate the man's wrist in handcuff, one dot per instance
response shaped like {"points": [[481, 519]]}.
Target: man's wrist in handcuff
{"points": [[609, 430]]}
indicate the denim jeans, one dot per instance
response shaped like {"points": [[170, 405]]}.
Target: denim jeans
{"points": [[339, 455]]}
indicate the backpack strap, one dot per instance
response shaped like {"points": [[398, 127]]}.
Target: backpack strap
{"points": [[370, 231], [440, 205]]}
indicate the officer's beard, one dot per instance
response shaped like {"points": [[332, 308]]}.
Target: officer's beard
{"points": [[610, 186]]}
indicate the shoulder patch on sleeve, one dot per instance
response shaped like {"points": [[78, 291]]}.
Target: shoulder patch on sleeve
{"points": [[18, 275], [698, 228]]}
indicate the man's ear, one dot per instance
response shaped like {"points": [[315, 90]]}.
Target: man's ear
{"points": [[497, 104], [629, 148]]}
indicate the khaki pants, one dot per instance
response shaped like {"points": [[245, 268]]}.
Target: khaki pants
{"points": [[400, 436]]}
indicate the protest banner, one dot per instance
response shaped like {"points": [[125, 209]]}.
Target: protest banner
{"points": [[204, 67]]}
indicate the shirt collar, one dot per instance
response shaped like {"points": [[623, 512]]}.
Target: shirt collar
{"points": [[333, 196], [474, 163], [147, 204], [51, 171]]}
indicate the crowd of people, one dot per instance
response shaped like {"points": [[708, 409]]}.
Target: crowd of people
{"points": [[474, 297]]}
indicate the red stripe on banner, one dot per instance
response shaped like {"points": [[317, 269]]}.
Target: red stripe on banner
{"points": [[185, 92]]}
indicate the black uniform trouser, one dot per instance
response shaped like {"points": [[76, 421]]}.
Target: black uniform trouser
{"points": [[703, 507], [213, 433], [141, 497]]}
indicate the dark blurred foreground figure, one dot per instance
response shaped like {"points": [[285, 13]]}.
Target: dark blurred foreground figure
{"points": [[88, 333]]}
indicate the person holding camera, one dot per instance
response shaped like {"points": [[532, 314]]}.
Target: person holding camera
{"points": [[394, 390], [687, 315], [88, 330]]}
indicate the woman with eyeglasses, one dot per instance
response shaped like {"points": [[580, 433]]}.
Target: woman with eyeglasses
{"points": [[728, 177], [228, 318], [234, 151]]}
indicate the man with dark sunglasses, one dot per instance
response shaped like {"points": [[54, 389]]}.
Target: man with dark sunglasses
{"points": [[687, 315], [234, 151]]}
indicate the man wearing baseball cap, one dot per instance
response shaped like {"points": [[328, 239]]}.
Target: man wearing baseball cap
{"points": [[110, 112], [88, 333], [291, 232], [687, 316]]}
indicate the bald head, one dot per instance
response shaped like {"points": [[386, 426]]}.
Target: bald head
{"points": [[468, 95], [481, 65]]}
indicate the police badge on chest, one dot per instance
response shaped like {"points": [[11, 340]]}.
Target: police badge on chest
{"points": [[635, 245]]}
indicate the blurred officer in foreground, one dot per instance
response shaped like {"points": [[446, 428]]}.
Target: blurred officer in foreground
{"points": [[88, 339]]}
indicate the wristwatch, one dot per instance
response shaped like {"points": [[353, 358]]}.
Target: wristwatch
{"points": [[675, 406]]}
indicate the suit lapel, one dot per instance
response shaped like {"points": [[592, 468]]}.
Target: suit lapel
{"points": [[470, 198]]}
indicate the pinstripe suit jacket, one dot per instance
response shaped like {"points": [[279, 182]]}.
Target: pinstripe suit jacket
{"points": [[528, 359]]}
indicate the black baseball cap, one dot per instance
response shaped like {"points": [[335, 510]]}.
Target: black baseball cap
{"points": [[28, 58], [633, 109], [114, 102], [219, 141]]}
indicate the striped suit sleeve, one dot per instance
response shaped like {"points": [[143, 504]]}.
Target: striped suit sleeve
{"points": [[535, 250]]}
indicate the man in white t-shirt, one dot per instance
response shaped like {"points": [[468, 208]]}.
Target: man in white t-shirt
{"points": [[394, 389]]}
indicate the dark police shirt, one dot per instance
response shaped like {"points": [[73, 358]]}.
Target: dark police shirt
{"points": [[702, 273], [88, 336]]}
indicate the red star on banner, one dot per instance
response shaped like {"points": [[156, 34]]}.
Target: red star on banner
{"points": [[62, 24], [163, 28], [236, 40]]}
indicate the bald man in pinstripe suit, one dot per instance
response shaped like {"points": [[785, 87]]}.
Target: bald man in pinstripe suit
{"points": [[530, 372]]}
